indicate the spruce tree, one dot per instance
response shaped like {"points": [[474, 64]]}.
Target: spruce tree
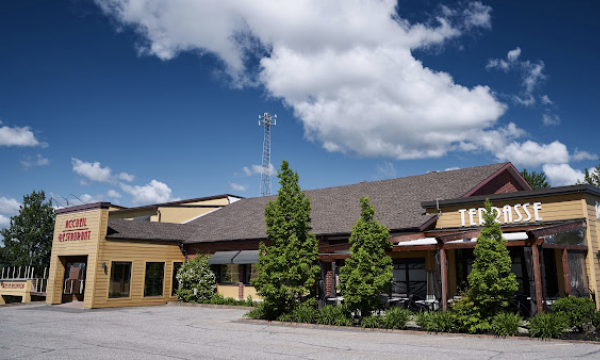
{"points": [[535, 179], [368, 273], [28, 239], [491, 281], [287, 268], [592, 177]]}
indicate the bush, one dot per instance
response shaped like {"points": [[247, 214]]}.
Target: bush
{"points": [[506, 324], [548, 325], [396, 318], [468, 316], [596, 320], [196, 274], [249, 301], [372, 322], [578, 310], [285, 318], [443, 321], [257, 313], [305, 312], [424, 320], [334, 315]]}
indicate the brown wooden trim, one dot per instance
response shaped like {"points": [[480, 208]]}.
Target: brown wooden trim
{"points": [[565, 247], [537, 276], [458, 236], [333, 248], [550, 230], [565, 267], [407, 237], [333, 257], [415, 248]]}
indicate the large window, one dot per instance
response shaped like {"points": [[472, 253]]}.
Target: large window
{"points": [[120, 279], [250, 272], [410, 277], [175, 282], [155, 274], [226, 273]]}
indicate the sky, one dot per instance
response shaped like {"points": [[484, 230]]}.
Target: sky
{"points": [[147, 101]]}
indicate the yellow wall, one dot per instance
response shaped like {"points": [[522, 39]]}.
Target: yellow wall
{"points": [[228, 291], [176, 214], [593, 238]]}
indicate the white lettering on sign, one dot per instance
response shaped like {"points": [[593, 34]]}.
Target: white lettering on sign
{"points": [[508, 214]]}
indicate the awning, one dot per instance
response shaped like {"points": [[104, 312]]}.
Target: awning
{"points": [[222, 257], [508, 236], [424, 241], [246, 257]]}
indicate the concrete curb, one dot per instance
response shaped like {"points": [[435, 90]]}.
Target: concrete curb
{"points": [[210, 306], [413, 332]]}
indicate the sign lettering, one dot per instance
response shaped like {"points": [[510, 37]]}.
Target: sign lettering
{"points": [[75, 230], [507, 214], [13, 285]]}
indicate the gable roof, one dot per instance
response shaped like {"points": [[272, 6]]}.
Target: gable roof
{"points": [[335, 210]]}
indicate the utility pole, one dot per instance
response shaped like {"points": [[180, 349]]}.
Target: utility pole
{"points": [[267, 121]]}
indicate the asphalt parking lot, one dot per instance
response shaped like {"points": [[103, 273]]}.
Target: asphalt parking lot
{"points": [[174, 332]]}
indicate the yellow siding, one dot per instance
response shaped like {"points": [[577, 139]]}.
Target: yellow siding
{"points": [[553, 208], [228, 291], [180, 215], [593, 233], [251, 291]]}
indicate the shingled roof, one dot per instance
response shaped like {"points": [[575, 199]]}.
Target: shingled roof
{"points": [[146, 230], [335, 210]]}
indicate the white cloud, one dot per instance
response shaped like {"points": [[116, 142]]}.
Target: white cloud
{"points": [[87, 198], [546, 100], [257, 170], [9, 206], [386, 170], [38, 161], [344, 67], [18, 136], [583, 155], [550, 119], [92, 171], [152, 193], [531, 154], [513, 55], [95, 172], [562, 174], [113, 194], [238, 187]]}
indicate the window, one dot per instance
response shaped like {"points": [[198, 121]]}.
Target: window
{"points": [[120, 279], [226, 273], [578, 273], [175, 282], [410, 277], [250, 272], [155, 274]]}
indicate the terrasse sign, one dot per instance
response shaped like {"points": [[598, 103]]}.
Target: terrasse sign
{"points": [[507, 214], [75, 230]]}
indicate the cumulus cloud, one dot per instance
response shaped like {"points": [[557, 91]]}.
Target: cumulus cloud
{"points": [[39, 160], [18, 136], [562, 174], [113, 194], [257, 170], [95, 172], [579, 155], [344, 67], [238, 187], [9, 206], [531, 154], [152, 193], [4, 223]]}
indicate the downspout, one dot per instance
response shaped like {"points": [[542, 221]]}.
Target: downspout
{"points": [[183, 251]]}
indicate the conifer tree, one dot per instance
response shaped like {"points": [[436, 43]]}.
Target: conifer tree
{"points": [[28, 239], [592, 177], [368, 272], [491, 281], [535, 179], [287, 268]]}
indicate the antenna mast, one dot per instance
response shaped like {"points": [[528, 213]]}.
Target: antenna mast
{"points": [[267, 121]]}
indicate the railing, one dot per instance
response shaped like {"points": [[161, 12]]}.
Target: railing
{"points": [[26, 273]]}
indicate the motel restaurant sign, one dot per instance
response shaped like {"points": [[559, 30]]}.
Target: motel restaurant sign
{"points": [[75, 230], [508, 214]]}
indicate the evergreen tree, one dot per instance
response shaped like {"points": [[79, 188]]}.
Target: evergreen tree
{"points": [[592, 177], [536, 180], [28, 240], [368, 272], [491, 281], [287, 268]]}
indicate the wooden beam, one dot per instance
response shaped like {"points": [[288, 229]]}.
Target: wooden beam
{"points": [[415, 248], [565, 268], [407, 237], [537, 276], [333, 257], [444, 274], [565, 247], [332, 248], [458, 236], [550, 230]]}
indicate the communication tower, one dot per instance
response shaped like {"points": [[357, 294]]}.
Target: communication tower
{"points": [[267, 121]]}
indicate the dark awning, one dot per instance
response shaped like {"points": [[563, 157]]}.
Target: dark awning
{"points": [[222, 257], [246, 257]]}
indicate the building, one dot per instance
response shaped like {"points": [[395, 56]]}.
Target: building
{"points": [[433, 219]]}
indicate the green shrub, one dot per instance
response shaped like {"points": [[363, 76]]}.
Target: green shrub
{"points": [[196, 274], [506, 324], [285, 318], [249, 301], [373, 322], [424, 320], [217, 299], [578, 310], [548, 325], [468, 316], [330, 315], [596, 320], [305, 312], [396, 318], [257, 313], [443, 321]]}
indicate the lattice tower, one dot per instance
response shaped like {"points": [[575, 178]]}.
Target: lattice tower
{"points": [[267, 121]]}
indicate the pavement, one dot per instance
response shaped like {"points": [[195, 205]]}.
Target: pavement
{"points": [[177, 332]]}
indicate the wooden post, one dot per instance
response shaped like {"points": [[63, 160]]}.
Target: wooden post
{"points": [[444, 274], [566, 275], [535, 257]]}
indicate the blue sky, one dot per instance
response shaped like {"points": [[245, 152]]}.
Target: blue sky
{"points": [[150, 101]]}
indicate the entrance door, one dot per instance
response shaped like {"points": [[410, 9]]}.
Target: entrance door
{"points": [[74, 283]]}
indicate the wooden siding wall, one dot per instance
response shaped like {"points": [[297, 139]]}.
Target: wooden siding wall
{"points": [[553, 208], [138, 253], [593, 238]]}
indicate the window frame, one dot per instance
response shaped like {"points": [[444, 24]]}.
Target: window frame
{"points": [[110, 279], [162, 287]]}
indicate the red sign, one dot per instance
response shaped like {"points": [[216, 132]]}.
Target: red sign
{"points": [[77, 230], [9, 285]]}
